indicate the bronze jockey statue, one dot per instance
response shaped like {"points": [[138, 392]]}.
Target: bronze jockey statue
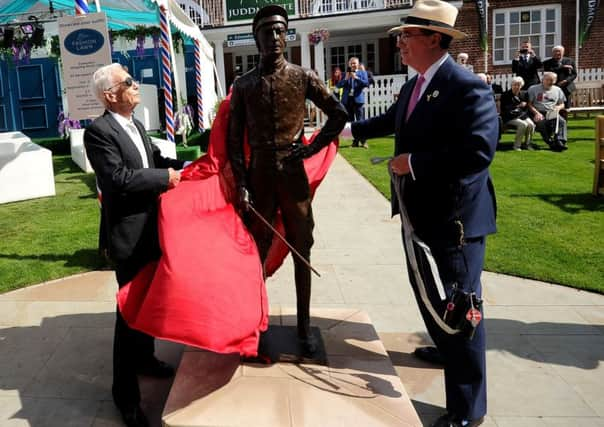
{"points": [[269, 103]]}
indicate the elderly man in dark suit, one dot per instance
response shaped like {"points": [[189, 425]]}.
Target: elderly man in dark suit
{"points": [[565, 70], [131, 174], [445, 126], [526, 65]]}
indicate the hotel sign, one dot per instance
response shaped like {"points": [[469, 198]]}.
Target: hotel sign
{"points": [[243, 10], [247, 39]]}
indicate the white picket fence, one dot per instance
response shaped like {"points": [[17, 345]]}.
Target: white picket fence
{"points": [[382, 95]]}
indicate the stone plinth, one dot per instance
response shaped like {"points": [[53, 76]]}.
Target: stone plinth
{"points": [[358, 387]]}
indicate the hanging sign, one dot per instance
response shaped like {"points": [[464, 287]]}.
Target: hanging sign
{"points": [[247, 39], [84, 44], [243, 10]]}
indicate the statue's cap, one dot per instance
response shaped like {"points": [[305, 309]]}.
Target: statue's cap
{"points": [[269, 15]]}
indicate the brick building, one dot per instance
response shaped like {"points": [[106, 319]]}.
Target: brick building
{"points": [[359, 28], [544, 23]]}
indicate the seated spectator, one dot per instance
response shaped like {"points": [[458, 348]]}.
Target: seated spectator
{"points": [[462, 59], [545, 103], [514, 113]]}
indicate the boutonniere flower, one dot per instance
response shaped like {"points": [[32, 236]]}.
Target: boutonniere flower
{"points": [[432, 95]]}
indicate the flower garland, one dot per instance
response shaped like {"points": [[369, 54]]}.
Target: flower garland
{"points": [[65, 124], [318, 36]]}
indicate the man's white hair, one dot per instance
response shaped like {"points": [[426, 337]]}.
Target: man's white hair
{"points": [[559, 47], [518, 79], [462, 55], [550, 74], [102, 79]]}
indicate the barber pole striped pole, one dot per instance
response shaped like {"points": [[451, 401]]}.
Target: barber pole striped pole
{"points": [[166, 71], [198, 84], [81, 7]]}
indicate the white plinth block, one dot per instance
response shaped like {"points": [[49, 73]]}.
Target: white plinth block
{"points": [[78, 151], [167, 148], [26, 170]]}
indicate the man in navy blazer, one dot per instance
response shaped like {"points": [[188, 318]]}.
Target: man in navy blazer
{"points": [[353, 95], [446, 128], [131, 174]]}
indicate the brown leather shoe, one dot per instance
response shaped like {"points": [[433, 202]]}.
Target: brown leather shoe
{"points": [[430, 355]]}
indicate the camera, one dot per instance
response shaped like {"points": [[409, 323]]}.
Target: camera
{"points": [[348, 70], [523, 51]]}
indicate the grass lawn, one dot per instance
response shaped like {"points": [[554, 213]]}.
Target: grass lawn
{"points": [[550, 227], [52, 237]]}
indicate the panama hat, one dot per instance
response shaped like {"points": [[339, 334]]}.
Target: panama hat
{"points": [[433, 15]]}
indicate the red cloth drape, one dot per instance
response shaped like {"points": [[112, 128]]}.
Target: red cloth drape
{"points": [[207, 288]]}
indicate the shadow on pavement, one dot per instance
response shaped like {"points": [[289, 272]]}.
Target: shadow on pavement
{"points": [[60, 370]]}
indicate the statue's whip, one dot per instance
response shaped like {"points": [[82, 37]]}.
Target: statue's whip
{"points": [[291, 248]]}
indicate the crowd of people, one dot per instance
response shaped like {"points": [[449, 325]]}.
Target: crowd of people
{"points": [[543, 108], [531, 103]]}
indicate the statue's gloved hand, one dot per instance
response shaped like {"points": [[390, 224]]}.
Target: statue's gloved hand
{"points": [[299, 152], [243, 199]]}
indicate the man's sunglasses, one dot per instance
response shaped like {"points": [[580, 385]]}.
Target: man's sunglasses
{"points": [[128, 82]]}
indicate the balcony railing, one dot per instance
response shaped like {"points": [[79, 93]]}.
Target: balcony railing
{"points": [[310, 8], [211, 12]]}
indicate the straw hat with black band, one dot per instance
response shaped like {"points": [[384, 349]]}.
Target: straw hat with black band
{"points": [[433, 15]]}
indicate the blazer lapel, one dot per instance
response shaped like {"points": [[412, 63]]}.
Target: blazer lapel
{"points": [[125, 141], [146, 143], [433, 90], [404, 99]]}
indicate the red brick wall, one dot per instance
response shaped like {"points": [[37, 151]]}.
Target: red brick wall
{"points": [[591, 55]]}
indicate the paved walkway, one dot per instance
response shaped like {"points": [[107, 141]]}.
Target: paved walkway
{"points": [[545, 342]]}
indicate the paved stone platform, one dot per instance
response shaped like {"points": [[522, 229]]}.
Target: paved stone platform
{"points": [[545, 343], [358, 387]]}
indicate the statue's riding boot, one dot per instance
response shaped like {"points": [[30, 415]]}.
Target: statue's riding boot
{"points": [[307, 341]]}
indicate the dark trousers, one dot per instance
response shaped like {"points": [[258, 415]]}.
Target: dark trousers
{"points": [[286, 189], [465, 359], [130, 347], [355, 112]]}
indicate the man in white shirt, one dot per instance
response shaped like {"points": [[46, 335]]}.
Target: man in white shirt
{"points": [[131, 173], [446, 129], [546, 100]]}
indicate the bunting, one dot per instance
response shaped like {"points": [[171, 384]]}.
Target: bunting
{"points": [[587, 15]]}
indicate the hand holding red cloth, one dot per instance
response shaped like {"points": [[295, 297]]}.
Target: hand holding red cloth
{"points": [[207, 289]]}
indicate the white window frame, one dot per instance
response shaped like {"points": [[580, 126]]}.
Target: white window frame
{"points": [[506, 38], [351, 42]]}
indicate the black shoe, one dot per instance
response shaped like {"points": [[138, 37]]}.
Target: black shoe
{"points": [[133, 416], [449, 420], [355, 143], [155, 368], [429, 354]]}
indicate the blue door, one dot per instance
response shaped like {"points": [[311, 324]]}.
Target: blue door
{"points": [[6, 120], [34, 95]]}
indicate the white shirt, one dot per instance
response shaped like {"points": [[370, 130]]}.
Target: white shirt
{"points": [[428, 75], [132, 131]]}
